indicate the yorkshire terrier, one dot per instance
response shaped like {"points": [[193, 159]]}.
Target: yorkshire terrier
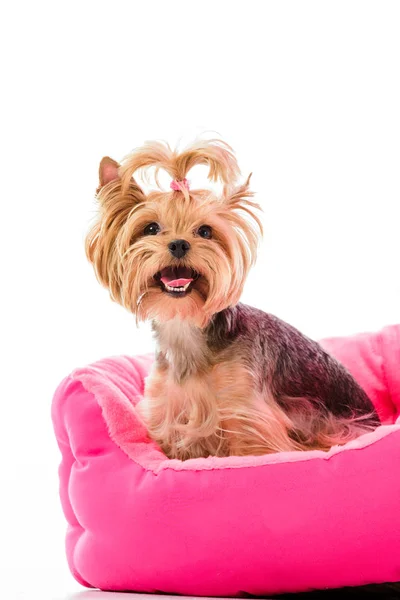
{"points": [[228, 379]]}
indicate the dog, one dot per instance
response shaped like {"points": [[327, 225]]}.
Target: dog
{"points": [[228, 379]]}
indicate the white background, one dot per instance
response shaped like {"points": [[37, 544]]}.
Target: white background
{"points": [[307, 93]]}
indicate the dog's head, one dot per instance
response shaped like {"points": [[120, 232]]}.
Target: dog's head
{"points": [[178, 253]]}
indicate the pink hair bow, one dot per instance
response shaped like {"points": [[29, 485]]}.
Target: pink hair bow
{"points": [[178, 185]]}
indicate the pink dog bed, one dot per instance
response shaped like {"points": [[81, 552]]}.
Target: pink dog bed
{"points": [[227, 526]]}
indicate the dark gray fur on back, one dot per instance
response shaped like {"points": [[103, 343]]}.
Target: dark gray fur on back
{"points": [[285, 360]]}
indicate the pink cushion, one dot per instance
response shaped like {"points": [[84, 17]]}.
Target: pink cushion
{"points": [[227, 526]]}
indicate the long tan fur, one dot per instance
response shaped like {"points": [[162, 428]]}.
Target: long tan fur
{"points": [[197, 403], [125, 261]]}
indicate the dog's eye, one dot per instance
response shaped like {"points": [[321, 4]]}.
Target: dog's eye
{"points": [[205, 232], [152, 229]]}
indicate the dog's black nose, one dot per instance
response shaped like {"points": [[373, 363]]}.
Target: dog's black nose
{"points": [[178, 248]]}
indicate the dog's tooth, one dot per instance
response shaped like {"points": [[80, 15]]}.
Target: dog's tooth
{"points": [[176, 289]]}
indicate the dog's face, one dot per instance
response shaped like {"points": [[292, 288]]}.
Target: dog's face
{"points": [[173, 254]]}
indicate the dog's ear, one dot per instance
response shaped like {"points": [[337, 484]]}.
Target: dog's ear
{"points": [[108, 171]]}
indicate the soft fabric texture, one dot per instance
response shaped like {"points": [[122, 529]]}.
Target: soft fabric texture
{"points": [[227, 526]]}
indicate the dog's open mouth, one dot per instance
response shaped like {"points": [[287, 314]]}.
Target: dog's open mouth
{"points": [[177, 281]]}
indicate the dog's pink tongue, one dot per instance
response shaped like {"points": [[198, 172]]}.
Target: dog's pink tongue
{"points": [[176, 282]]}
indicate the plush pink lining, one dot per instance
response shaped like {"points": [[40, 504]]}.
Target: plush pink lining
{"points": [[220, 526], [127, 431]]}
